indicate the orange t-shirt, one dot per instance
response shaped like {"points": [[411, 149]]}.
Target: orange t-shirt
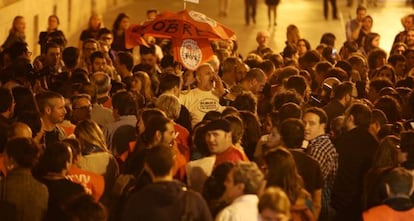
{"points": [[3, 168], [93, 183], [180, 162], [108, 103], [182, 140], [232, 154], [385, 213]]}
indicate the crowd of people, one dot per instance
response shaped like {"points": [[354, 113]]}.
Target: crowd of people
{"points": [[87, 133]]}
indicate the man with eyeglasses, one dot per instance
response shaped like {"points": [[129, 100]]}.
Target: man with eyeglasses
{"points": [[89, 46], [106, 38], [81, 108]]}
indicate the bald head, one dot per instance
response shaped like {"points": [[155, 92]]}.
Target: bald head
{"points": [[102, 81], [19, 130], [215, 63], [204, 77]]}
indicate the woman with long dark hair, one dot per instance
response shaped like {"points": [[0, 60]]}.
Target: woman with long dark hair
{"points": [[16, 33], [119, 27], [281, 172]]}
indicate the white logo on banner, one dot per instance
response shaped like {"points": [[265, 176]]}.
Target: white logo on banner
{"points": [[190, 54], [197, 16], [193, 1]]}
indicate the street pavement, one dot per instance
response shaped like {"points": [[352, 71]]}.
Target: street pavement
{"points": [[307, 15]]}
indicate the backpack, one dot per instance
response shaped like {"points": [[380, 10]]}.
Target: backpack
{"points": [[187, 214], [124, 187]]}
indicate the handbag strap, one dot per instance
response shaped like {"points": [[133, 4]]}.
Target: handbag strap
{"points": [[3, 189], [187, 215]]}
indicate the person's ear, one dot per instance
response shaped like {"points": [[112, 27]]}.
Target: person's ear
{"points": [[48, 110], [323, 125], [241, 187], [351, 118], [158, 136], [229, 135], [412, 189], [148, 169], [388, 189]]}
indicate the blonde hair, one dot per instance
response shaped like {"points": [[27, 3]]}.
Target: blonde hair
{"points": [[95, 16], [89, 134], [170, 105], [13, 29], [292, 34], [275, 199], [146, 84]]}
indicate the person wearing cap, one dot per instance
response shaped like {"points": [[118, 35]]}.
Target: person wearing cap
{"points": [[219, 142]]}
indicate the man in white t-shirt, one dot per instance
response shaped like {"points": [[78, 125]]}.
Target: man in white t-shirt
{"points": [[202, 99]]}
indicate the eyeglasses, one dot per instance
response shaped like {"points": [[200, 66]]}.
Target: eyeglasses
{"points": [[88, 107]]}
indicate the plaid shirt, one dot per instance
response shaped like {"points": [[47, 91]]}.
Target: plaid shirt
{"points": [[323, 151]]}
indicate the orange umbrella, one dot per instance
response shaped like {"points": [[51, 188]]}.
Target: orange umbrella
{"points": [[190, 32]]}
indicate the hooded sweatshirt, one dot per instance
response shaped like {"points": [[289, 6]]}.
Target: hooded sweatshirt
{"points": [[165, 201]]}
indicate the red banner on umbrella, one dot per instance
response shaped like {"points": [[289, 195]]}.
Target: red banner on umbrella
{"points": [[133, 37], [192, 52], [190, 32]]}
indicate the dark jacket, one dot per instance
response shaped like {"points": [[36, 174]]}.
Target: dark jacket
{"points": [[165, 201], [333, 109], [28, 195], [356, 149]]}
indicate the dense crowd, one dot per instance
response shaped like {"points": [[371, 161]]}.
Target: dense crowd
{"points": [[311, 133]]}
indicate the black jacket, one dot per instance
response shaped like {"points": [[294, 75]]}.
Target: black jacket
{"points": [[356, 149], [165, 201]]}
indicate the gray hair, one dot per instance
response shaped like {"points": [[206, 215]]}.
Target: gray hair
{"points": [[250, 175], [170, 105]]}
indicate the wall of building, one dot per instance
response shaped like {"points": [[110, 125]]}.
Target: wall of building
{"points": [[73, 15]]}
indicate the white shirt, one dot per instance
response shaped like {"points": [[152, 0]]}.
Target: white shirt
{"points": [[243, 208], [199, 102]]}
